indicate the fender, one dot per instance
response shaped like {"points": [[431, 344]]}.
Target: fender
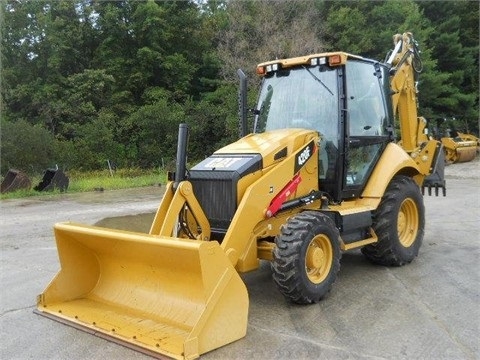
{"points": [[394, 160]]}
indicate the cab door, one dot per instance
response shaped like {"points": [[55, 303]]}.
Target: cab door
{"points": [[368, 126]]}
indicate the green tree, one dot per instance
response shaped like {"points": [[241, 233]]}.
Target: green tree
{"points": [[455, 45], [371, 35], [213, 121], [367, 27], [154, 135], [93, 145], [46, 42]]}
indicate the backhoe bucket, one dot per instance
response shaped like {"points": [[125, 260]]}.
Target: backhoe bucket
{"points": [[159, 295]]}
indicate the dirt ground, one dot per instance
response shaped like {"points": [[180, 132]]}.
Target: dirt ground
{"points": [[428, 309]]}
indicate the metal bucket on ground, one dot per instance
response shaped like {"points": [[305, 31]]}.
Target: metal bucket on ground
{"points": [[53, 179], [15, 180]]}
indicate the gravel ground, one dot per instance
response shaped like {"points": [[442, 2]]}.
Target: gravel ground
{"points": [[466, 170], [425, 310]]}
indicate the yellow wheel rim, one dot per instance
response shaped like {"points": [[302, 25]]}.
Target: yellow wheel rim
{"points": [[407, 224], [319, 258]]}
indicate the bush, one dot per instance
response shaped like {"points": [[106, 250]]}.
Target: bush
{"points": [[26, 147]]}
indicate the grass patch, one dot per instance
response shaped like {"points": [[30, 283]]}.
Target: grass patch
{"points": [[96, 180]]}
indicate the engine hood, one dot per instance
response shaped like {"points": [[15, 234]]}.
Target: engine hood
{"points": [[273, 146]]}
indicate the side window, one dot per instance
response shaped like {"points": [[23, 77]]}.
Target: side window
{"points": [[364, 100], [360, 162]]}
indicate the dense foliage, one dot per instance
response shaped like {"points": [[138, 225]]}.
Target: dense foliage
{"points": [[86, 81]]}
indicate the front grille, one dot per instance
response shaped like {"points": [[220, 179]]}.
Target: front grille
{"points": [[217, 195], [215, 181]]}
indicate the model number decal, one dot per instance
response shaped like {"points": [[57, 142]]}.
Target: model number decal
{"points": [[303, 155]]}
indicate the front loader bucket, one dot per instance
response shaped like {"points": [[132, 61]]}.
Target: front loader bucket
{"points": [[159, 295]]}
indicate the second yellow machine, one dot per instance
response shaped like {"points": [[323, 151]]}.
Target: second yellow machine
{"points": [[322, 172]]}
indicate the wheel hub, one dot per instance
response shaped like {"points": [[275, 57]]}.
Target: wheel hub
{"points": [[407, 222], [319, 258], [315, 257]]}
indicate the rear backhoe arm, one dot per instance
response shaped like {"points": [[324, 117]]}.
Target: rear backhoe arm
{"points": [[406, 64], [427, 153]]}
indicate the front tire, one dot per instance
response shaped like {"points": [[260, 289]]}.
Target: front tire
{"points": [[306, 258], [399, 223]]}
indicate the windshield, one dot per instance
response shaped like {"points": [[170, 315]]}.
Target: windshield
{"points": [[305, 97]]}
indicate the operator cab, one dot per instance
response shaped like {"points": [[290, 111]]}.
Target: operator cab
{"points": [[341, 96]]}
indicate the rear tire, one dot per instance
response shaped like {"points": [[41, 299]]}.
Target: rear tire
{"points": [[399, 223], [306, 258]]}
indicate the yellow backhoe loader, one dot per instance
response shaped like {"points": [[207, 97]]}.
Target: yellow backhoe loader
{"points": [[321, 173]]}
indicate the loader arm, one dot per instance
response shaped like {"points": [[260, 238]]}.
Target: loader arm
{"points": [[173, 202]]}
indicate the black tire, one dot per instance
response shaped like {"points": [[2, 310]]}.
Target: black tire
{"points": [[306, 258], [399, 223]]}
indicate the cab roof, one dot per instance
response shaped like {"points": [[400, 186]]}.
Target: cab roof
{"points": [[333, 58]]}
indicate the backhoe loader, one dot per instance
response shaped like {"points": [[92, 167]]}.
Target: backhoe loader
{"points": [[322, 172]]}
